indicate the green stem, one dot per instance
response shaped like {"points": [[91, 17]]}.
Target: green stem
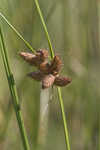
{"points": [[18, 34], [14, 94], [45, 28], [59, 91], [64, 118]]}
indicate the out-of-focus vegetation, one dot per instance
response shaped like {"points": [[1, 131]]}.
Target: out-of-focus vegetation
{"points": [[74, 29]]}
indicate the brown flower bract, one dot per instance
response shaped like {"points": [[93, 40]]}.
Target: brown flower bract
{"points": [[62, 81], [48, 81]]}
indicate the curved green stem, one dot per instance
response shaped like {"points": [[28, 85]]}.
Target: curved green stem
{"points": [[14, 94], [45, 28], [18, 34], [59, 91]]}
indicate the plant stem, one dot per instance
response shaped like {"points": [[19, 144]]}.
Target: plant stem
{"points": [[59, 91], [64, 118], [14, 94], [18, 34], [45, 28]]}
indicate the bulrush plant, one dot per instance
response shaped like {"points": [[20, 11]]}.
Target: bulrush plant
{"points": [[58, 89], [48, 72]]}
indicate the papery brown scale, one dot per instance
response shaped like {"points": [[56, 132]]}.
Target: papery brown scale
{"points": [[56, 65], [28, 57], [42, 53], [44, 67], [62, 81], [35, 59], [38, 76], [48, 81]]}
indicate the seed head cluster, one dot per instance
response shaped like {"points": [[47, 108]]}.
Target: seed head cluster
{"points": [[47, 72]]}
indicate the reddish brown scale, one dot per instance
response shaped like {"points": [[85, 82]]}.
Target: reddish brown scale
{"points": [[62, 81], [44, 67], [56, 65], [28, 57], [42, 54], [38, 76], [48, 81], [35, 59]]}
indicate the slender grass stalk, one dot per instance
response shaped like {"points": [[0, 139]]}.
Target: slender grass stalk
{"points": [[17, 33], [58, 89], [64, 118], [45, 28], [14, 94]]}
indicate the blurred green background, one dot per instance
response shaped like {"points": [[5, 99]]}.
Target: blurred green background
{"points": [[74, 27]]}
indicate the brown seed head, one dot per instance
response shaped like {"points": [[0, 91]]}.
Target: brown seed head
{"points": [[48, 73]]}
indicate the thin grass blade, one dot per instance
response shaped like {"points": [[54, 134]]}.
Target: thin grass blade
{"points": [[13, 91]]}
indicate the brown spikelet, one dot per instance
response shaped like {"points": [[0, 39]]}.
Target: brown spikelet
{"points": [[38, 76], [62, 81], [28, 57], [44, 67], [56, 65], [48, 81], [42, 54], [35, 59]]}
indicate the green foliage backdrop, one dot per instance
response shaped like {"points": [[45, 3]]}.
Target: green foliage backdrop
{"points": [[74, 29]]}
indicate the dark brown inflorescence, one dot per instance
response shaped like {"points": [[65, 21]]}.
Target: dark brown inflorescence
{"points": [[47, 72]]}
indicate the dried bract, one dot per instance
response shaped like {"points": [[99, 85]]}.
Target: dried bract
{"points": [[43, 54], [28, 57], [56, 65], [62, 81], [38, 76], [48, 81], [44, 67], [35, 59]]}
